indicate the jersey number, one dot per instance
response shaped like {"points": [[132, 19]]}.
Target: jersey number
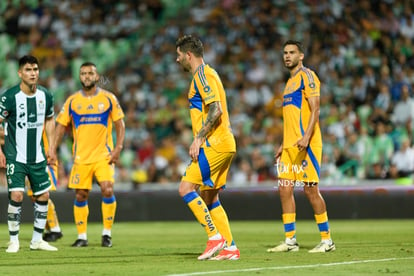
{"points": [[75, 179], [10, 169]]}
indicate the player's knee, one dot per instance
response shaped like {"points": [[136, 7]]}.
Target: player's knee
{"points": [[185, 188], [81, 195], [16, 196]]}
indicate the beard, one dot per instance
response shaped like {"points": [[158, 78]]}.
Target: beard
{"points": [[292, 65], [90, 86]]}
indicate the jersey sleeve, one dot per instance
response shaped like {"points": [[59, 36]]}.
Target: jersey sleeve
{"points": [[63, 117], [4, 106], [312, 84], [117, 112], [210, 91], [50, 111]]}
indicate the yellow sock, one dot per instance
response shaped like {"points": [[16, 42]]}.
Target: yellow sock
{"points": [[200, 211], [289, 223], [108, 211], [219, 216], [52, 219], [81, 212], [323, 225]]}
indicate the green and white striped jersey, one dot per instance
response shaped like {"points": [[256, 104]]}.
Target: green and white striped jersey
{"points": [[24, 123]]}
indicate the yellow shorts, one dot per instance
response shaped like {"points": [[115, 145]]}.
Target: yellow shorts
{"points": [[81, 176], [302, 166], [53, 176], [211, 169]]}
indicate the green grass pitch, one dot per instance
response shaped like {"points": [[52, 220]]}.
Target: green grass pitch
{"points": [[364, 247]]}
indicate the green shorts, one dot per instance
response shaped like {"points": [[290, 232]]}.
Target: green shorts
{"points": [[37, 174]]}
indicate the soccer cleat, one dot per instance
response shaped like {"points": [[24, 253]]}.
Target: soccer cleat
{"points": [[52, 236], [285, 247], [212, 247], [106, 241], [13, 247], [80, 243], [226, 254], [323, 247], [42, 245]]}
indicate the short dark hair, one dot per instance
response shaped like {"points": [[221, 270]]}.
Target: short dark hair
{"points": [[189, 43], [295, 42], [27, 59], [88, 63]]}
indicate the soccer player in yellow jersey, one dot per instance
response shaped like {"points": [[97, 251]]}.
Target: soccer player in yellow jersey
{"points": [[298, 159], [211, 151], [52, 228], [92, 111]]}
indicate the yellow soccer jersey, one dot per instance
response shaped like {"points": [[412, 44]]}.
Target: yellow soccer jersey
{"points": [[205, 88], [91, 118], [296, 109]]}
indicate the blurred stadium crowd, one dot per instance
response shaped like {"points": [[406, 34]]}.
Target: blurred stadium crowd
{"points": [[362, 51]]}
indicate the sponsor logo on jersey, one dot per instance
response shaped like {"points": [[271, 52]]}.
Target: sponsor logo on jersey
{"points": [[90, 119]]}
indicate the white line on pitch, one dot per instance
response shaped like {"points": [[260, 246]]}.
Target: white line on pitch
{"points": [[291, 267]]}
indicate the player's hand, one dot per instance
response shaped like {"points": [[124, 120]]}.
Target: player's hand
{"points": [[278, 153], [114, 155], [195, 148], [51, 157], [2, 160], [302, 143]]}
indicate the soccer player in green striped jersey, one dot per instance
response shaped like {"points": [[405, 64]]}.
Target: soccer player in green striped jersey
{"points": [[26, 110]]}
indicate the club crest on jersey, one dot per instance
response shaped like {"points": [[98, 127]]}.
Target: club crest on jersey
{"points": [[207, 89], [41, 104], [5, 113], [304, 163], [101, 107]]}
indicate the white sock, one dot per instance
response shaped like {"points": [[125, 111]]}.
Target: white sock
{"points": [[55, 229], [82, 236], [106, 232], [216, 237], [290, 240]]}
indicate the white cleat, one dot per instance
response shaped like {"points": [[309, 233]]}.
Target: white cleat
{"points": [[42, 245], [323, 247], [13, 247], [285, 247]]}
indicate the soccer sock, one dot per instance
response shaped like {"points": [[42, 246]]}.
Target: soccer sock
{"points": [[323, 225], [200, 211], [81, 212], [219, 216], [108, 213], [289, 222], [40, 215], [13, 219], [52, 220]]}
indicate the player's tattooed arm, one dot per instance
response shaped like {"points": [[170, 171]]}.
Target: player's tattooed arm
{"points": [[213, 118]]}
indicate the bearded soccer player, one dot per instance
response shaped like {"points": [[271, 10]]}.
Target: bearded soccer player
{"points": [[92, 112], [211, 151], [298, 159], [27, 110]]}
